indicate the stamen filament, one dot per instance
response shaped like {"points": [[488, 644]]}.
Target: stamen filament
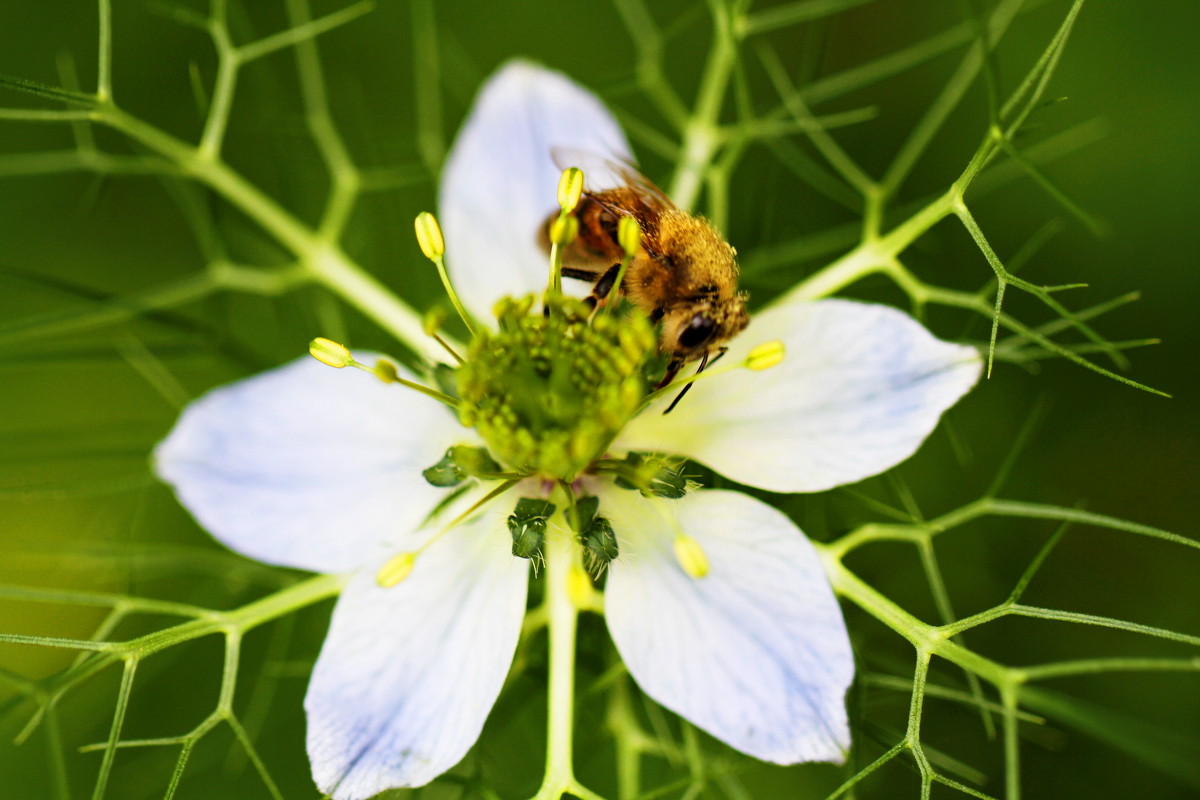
{"points": [[437, 337], [565, 227], [386, 372], [555, 283], [429, 237], [487, 498], [764, 356], [688, 552], [433, 320], [458, 306]]}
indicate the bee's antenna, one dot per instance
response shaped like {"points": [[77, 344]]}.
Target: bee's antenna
{"points": [[684, 390]]}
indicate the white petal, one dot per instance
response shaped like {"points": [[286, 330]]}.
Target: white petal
{"points": [[860, 388], [500, 181], [408, 674], [756, 652], [308, 466]]}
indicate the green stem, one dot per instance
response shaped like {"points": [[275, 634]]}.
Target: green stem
{"points": [[923, 636], [701, 134], [562, 556], [560, 713], [876, 255], [321, 258]]}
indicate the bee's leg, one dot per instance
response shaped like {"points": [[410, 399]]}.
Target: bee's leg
{"points": [[720, 355], [602, 287], [684, 390], [582, 274], [605, 284], [672, 370]]}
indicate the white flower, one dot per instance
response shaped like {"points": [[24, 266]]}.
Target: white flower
{"points": [[320, 469]]}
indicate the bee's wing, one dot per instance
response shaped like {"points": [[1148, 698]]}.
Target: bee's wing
{"points": [[601, 173]]}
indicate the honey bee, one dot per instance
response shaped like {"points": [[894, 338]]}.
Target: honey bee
{"points": [[684, 275]]}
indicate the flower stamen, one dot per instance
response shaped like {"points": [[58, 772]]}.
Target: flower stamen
{"points": [[433, 245], [338, 356], [629, 235], [398, 567], [565, 227]]}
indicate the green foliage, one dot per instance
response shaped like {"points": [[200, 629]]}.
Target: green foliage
{"points": [[80, 323]]}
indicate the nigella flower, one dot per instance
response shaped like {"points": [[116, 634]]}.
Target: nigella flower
{"points": [[716, 602]]}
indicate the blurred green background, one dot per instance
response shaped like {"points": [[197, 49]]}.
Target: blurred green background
{"points": [[80, 412]]}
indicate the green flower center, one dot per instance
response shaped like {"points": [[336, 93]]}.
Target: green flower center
{"points": [[549, 392]]}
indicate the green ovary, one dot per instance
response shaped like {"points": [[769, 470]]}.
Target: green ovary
{"points": [[548, 392]]}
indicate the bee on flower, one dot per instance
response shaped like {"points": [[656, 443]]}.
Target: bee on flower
{"points": [[544, 438]]}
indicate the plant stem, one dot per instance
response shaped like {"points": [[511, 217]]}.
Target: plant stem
{"points": [[322, 259], [562, 555], [561, 700], [874, 255], [701, 135]]}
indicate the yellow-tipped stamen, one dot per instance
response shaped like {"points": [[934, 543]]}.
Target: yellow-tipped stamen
{"points": [[565, 227], [691, 556], [429, 236], [766, 355], [570, 189], [433, 245], [396, 569], [629, 235], [452, 524], [330, 352]]}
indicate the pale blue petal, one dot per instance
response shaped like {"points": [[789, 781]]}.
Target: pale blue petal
{"points": [[756, 652], [308, 466], [500, 181], [860, 388], [408, 674]]}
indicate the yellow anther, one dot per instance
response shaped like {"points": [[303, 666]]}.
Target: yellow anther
{"points": [[563, 230], [396, 569], [766, 355], [429, 236], [570, 189], [330, 352], [629, 234], [691, 556]]}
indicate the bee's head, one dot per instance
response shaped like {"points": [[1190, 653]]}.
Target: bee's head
{"points": [[691, 330]]}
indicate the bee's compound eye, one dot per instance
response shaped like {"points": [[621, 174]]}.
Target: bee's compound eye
{"points": [[697, 332]]}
